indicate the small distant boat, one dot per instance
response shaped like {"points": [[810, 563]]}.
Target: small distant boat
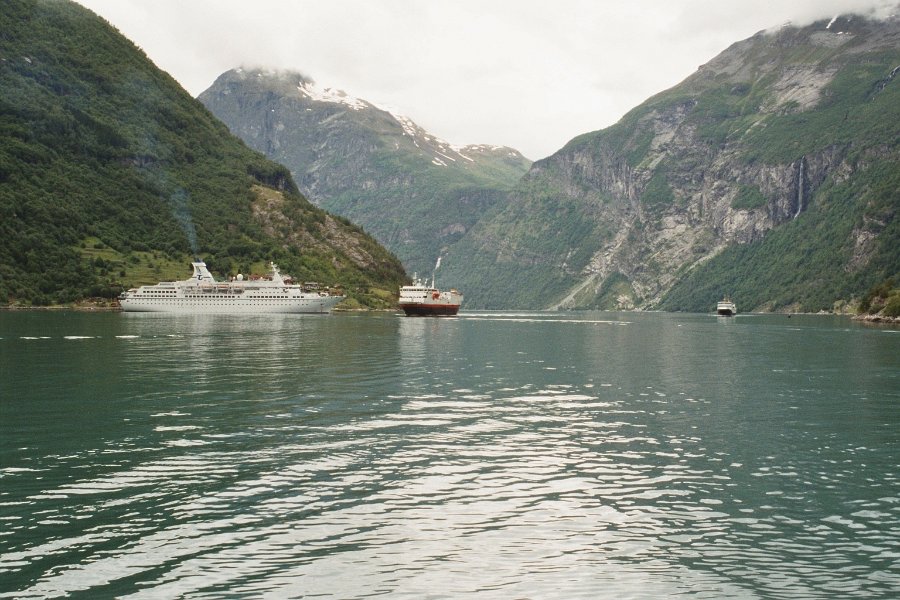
{"points": [[726, 308], [424, 299]]}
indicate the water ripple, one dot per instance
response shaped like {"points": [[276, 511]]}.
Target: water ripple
{"points": [[360, 457]]}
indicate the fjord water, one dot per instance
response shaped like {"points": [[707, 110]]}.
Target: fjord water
{"points": [[497, 455]]}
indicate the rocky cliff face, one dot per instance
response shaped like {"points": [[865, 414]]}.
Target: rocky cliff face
{"points": [[792, 130], [414, 192]]}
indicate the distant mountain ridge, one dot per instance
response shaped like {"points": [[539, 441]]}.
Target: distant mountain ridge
{"points": [[771, 174], [112, 175], [415, 193]]}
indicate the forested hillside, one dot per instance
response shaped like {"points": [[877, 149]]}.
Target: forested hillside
{"points": [[112, 175]]}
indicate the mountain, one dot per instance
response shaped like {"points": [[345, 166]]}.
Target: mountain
{"points": [[112, 175], [770, 174], [413, 192]]}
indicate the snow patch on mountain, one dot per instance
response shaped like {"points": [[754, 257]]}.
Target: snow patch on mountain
{"points": [[313, 92], [435, 148], [440, 150], [409, 127]]}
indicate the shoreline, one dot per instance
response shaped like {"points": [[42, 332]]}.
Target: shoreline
{"points": [[61, 307], [877, 319], [114, 307]]}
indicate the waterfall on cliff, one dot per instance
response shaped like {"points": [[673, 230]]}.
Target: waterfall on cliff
{"points": [[800, 188]]}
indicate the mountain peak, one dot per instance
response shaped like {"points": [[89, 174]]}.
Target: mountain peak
{"points": [[296, 92], [367, 162]]}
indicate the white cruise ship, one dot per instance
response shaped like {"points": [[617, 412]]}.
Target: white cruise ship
{"points": [[203, 294]]}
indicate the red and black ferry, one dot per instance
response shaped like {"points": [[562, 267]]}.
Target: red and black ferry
{"points": [[423, 299]]}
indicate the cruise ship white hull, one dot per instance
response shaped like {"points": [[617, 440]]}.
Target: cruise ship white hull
{"points": [[726, 308], [202, 294], [232, 306]]}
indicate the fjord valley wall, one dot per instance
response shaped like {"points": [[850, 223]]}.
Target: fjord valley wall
{"points": [[770, 175], [767, 175], [111, 175], [412, 191]]}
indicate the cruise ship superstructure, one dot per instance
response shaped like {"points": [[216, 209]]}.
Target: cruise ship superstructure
{"points": [[202, 294]]}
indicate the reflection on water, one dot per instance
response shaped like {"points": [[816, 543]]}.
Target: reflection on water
{"points": [[550, 455]]}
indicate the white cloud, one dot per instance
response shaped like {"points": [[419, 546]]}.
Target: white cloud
{"points": [[529, 74]]}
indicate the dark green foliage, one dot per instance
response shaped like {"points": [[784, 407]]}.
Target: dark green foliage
{"points": [[892, 305], [658, 193], [882, 298], [273, 175], [613, 286], [95, 142], [748, 198]]}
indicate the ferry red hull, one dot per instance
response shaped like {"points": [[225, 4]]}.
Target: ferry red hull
{"points": [[430, 310]]}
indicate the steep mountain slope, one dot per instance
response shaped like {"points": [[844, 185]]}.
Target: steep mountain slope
{"points": [[415, 193], [770, 174], [112, 175]]}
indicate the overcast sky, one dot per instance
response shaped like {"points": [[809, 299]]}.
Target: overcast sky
{"points": [[529, 74]]}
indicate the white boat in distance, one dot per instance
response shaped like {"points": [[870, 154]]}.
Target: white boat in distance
{"points": [[726, 308], [202, 294]]}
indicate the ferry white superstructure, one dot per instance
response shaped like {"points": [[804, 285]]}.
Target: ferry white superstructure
{"points": [[726, 308], [202, 294], [423, 299]]}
